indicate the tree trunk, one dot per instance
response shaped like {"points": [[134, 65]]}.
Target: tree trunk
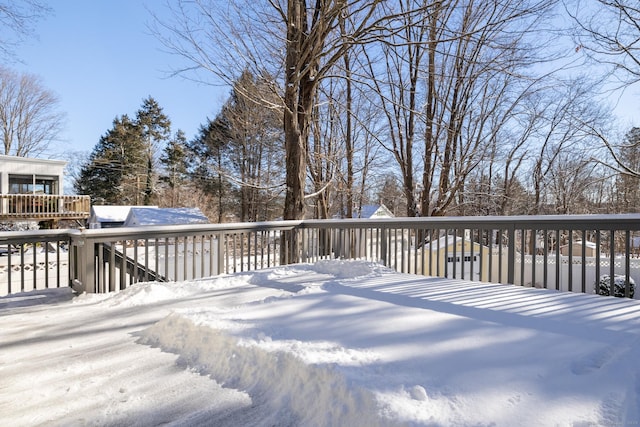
{"points": [[300, 86]]}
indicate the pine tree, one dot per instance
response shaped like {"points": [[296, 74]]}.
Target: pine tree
{"points": [[174, 161], [207, 163], [391, 195], [110, 176], [155, 129], [122, 166], [239, 156], [254, 142]]}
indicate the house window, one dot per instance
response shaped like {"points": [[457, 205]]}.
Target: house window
{"points": [[20, 184], [46, 185], [27, 184]]}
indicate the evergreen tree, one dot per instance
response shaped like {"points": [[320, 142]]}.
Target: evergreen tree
{"points": [[239, 156], [110, 176], [155, 129], [254, 143], [391, 195], [207, 159], [122, 166], [174, 162]]}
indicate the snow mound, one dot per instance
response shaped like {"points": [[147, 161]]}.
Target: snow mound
{"points": [[276, 380], [349, 269], [145, 293]]}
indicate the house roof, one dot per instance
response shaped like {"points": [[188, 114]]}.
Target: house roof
{"points": [[139, 216], [374, 211], [448, 241], [579, 242], [29, 160], [443, 241], [111, 213]]}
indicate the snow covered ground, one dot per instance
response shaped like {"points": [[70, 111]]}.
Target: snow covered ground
{"points": [[336, 343]]}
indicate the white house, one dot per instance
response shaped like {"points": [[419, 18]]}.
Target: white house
{"points": [[374, 211], [33, 189], [21, 175]]}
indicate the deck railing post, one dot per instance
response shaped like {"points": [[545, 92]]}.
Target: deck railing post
{"points": [[511, 254], [383, 246], [220, 258], [339, 242], [84, 265]]}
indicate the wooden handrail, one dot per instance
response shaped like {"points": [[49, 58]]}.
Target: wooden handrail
{"points": [[43, 206]]}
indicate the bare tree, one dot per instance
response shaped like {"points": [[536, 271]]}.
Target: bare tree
{"points": [[628, 184], [396, 86], [324, 150], [17, 18], [292, 39], [449, 82], [560, 131], [571, 182], [478, 59], [608, 32], [29, 119], [342, 149]]}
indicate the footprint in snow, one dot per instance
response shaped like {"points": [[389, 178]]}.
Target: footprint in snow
{"points": [[592, 361]]}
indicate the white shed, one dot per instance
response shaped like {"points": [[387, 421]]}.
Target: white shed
{"points": [[455, 252], [590, 248], [110, 216]]}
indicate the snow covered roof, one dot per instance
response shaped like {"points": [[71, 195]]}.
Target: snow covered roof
{"points": [[374, 211], [112, 213], [444, 240], [447, 241], [139, 216], [579, 243]]}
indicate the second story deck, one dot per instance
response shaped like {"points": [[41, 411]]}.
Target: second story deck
{"points": [[41, 207]]}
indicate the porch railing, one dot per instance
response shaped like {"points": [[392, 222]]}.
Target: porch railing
{"points": [[43, 206], [567, 253]]}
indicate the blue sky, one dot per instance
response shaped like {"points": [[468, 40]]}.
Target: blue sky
{"points": [[101, 61]]}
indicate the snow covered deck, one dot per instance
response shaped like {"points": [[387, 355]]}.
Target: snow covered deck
{"points": [[331, 343]]}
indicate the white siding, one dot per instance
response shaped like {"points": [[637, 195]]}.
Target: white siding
{"points": [[12, 165]]}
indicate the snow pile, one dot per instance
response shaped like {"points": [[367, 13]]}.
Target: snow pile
{"points": [[329, 344], [282, 383]]}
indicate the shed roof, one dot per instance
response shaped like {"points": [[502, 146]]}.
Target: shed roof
{"points": [[448, 241], [587, 244], [140, 216], [110, 213]]}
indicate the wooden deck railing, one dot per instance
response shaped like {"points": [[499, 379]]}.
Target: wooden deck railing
{"points": [[536, 251], [43, 207]]}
